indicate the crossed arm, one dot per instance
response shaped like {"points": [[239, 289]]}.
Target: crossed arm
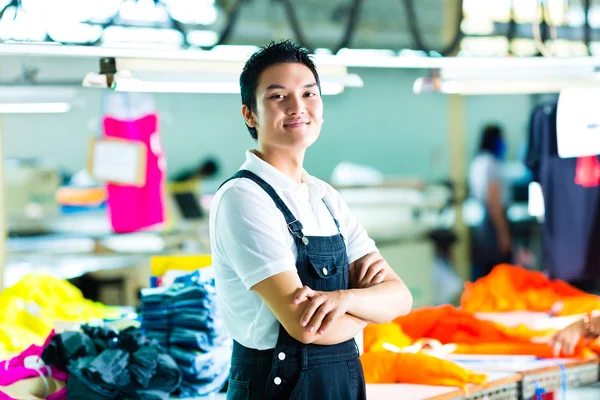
{"points": [[377, 295]]}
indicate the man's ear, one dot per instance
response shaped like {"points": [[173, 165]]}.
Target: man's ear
{"points": [[248, 116]]}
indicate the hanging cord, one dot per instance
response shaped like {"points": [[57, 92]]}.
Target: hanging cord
{"points": [[233, 14], [349, 29], [413, 25], [542, 12], [351, 24], [224, 36], [511, 32], [13, 3], [587, 29]]}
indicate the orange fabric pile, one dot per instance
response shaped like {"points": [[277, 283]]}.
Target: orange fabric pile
{"points": [[506, 288], [451, 325], [511, 288], [419, 368], [383, 366], [473, 336]]}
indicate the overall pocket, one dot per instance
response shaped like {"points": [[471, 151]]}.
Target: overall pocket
{"points": [[325, 274], [238, 390]]}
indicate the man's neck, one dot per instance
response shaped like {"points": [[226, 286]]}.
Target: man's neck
{"points": [[287, 162]]}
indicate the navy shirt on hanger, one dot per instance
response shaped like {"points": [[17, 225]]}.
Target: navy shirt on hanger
{"points": [[571, 230]]}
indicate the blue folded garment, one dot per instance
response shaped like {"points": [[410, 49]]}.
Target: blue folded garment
{"points": [[192, 389], [197, 365]]}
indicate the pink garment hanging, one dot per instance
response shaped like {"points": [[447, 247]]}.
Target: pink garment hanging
{"points": [[29, 364], [134, 208]]}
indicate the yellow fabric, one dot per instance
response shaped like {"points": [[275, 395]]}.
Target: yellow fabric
{"points": [[31, 308], [16, 339], [3, 352]]}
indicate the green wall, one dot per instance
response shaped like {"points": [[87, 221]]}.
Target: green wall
{"points": [[383, 124]]}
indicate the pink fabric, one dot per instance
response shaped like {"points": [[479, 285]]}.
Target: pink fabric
{"points": [[14, 370], [134, 208]]}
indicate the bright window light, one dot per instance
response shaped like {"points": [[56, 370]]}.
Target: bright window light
{"points": [[202, 38], [122, 34], [34, 108], [26, 26], [496, 10], [202, 12], [143, 10], [72, 10], [74, 32]]}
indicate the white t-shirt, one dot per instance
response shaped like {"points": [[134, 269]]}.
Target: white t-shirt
{"points": [[250, 242], [485, 169]]}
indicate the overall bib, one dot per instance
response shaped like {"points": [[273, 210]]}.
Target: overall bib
{"points": [[294, 370]]}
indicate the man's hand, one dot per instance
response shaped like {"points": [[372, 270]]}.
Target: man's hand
{"points": [[369, 271], [323, 309]]}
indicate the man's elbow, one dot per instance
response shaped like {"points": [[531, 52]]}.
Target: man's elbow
{"points": [[303, 336], [403, 306], [407, 304]]}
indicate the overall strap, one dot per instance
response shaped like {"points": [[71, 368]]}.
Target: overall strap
{"points": [[293, 224], [337, 224]]}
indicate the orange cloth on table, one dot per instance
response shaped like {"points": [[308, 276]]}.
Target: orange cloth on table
{"points": [[451, 325], [375, 335], [511, 288], [419, 368], [540, 350]]}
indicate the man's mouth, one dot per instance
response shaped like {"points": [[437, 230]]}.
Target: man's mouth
{"points": [[295, 124]]}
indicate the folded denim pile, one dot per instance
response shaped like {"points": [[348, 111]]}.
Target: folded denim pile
{"points": [[107, 364], [185, 320]]}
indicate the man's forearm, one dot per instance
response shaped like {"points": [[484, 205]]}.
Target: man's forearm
{"points": [[343, 328], [380, 303]]}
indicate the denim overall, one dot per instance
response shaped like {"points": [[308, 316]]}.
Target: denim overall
{"points": [[294, 370]]}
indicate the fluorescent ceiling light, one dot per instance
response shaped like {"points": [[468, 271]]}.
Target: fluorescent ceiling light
{"points": [[21, 93], [35, 99], [136, 85], [197, 77], [130, 84], [498, 86], [34, 108]]}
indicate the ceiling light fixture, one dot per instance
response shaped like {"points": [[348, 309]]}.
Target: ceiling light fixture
{"points": [[34, 108], [170, 76]]}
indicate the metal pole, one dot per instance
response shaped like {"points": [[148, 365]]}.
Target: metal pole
{"points": [[458, 171], [457, 130], [3, 223]]}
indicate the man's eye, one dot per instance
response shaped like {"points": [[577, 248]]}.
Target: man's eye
{"points": [[276, 96]]}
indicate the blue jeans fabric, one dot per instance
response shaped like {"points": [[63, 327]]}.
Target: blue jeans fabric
{"points": [[184, 318]]}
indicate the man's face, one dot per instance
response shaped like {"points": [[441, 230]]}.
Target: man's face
{"points": [[289, 109]]}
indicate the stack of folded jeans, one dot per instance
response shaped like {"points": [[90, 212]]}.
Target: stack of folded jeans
{"points": [[185, 320]]}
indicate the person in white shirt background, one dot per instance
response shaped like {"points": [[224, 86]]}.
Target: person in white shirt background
{"points": [[491, 238], [297, 277]]}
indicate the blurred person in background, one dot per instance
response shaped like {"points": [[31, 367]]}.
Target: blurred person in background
{"points": [[491, 241]]}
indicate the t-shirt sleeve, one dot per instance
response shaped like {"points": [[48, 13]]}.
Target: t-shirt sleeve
{"points": [[358, 242], [249, 235], [491, 170]]}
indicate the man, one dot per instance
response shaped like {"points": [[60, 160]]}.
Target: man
{"points": [[297, 277]]}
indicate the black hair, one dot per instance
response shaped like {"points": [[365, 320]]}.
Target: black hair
{"points": [[489, 138], [286, 51]]}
